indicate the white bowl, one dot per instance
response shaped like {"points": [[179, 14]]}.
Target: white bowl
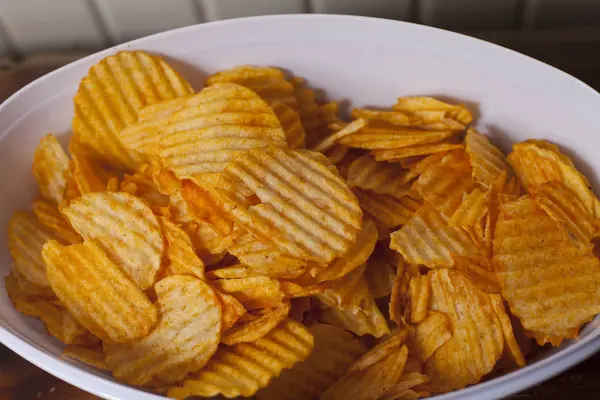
{"points": [[363, 60]]}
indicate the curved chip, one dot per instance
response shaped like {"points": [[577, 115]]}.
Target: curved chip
{"points": [[421, 105], [397, 155], [90, 355], [232, 310], [55, 222], [307, 211], [28, 288], [89, 175], [342, 292], [334, 350], [554, 300], [472, 209], [399, 306], [203, 207], [291, 125], [427, 239], [477, 339], [216, 126], [381, 271], [419, 290], [378, 177], [429, 335], [388, 211], [254, 292], [26, 237], [50, 169], [125, 228], [97, 292], [111, 96], [381, 350], [256, 328], [243, 369], [314, 119], [487, 160], [180, 254], [185, 338]]}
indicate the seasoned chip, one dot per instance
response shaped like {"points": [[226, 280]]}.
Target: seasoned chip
{"points": [[444, 184], [378, 177], [395, 155], [402, 389], [429, 335], [388, 211], [342, 292], [314, 117], [216, 126], [427, 239], [180, 255], [111, 96], [331, 142], [146, 188], [97, 292], [291, 125], [232, 310], [307, 211], [90, 355], [473, 208], [568, 212], [256, 328], [89, 175], [487, 160], [203, 206], [370, 383], [26, 237], [379, 352], [256, 292], [380, 272], [399, 306], [419, 290], [477, 340], [480, 271], [334, 350], [509, 334], [243, 369], [49, 216], [50, 169], [30, 289], [71, 190], [418, 105], [185, 338], [125, 228], [561, 296]]}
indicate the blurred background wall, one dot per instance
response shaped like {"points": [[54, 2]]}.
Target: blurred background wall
{"points": [[48, 33]]}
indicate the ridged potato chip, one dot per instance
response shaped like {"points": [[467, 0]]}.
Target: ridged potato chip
{"points": [[256, 328], [554, 300], [509, 334], [380, 351], [97, 292], [387, 210], [399, 306], [420, 105], [204, 207], [291, 125], [418, 118], [487, 160], [30, 289], [471, 210], [427, 239], [125, 228], [334, 350], [90, 355], [88, 173], [396, 155], [145, 187], [381, 271], [378, 177], [370, 383], [71, 190], [112, 94], [243, 369], [480, 271], [342, 292], [180, 254], [26, 237], [253, 293], [429, 335], [216, 126], [183, 341], [419, 290], [330, 143], [313, 117], [402, 389], [477, 340], [49, 216], [290, 185], [231, 309], [50, 169]]}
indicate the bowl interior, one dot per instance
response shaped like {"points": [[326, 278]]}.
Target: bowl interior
{"points": [[362, 61]]}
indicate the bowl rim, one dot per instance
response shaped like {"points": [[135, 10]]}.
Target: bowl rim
{"points": [[503, 385]]}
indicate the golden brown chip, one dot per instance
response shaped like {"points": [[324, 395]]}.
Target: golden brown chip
{"points": [[291, 125], [380, 273], [427, 239], [256, 328], [180, 255], [487, 160], [395, 155], [399, 306], [420, 105], [30, 289], [331, 142], [477, 340], [253, 293], [90, 355], [379, 177], [314, 118], [146, 188], [370, 383], [307, 211], [125, 229], [383, 349], [402, 389], [203, 207], [88, 173], [185, 338], [111, 96], [232, 310], [334, 350], [49, 216], [471, 211], [216, 126], [50, 169], [480, 271], [507, 328], [419, 290], [97, 292], [387, 210], [341, 292], [557, 298], [243, 369], [429, 335]]}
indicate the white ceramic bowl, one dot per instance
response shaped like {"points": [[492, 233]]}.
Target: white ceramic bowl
{"points": [[368, 62]]}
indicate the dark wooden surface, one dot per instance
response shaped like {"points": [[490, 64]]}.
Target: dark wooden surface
{"points": [[23, 381]]}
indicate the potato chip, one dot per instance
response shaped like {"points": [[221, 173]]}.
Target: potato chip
{"points": [[509, 334], [341, 292], [208, 244], [471, 210], [399, 306], [487, 160], [378, 177], [480, 271], [90, 355], [243, 369], [379, 352], [26, 237], [146, 188], [419, 290], [88, 173], [71, 190], [356, 256], [568, 212], [477, 340], [185, 338], [291, 125], [337, 153], [370, 383], [50, 169], [429, 335], [97, 292], [395, 155], [204, 208], [415, 105], [427, 239], [125, 228], [443, 184], [216, 126], [534, 166], [290, 185], [380, 273], [49, 216], [253, 293], [180, 255], [401, 389], [332, 140], [313, 117], [334, 350], [110, 97], [388, 211], [232, 310], [292, 290], [30, 289], [256, 328], [561, 296]]}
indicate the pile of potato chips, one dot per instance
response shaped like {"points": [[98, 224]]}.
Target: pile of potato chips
{"points": [[245, 240]]}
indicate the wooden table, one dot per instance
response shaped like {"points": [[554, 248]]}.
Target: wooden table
{"points": [[20, 380]]}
